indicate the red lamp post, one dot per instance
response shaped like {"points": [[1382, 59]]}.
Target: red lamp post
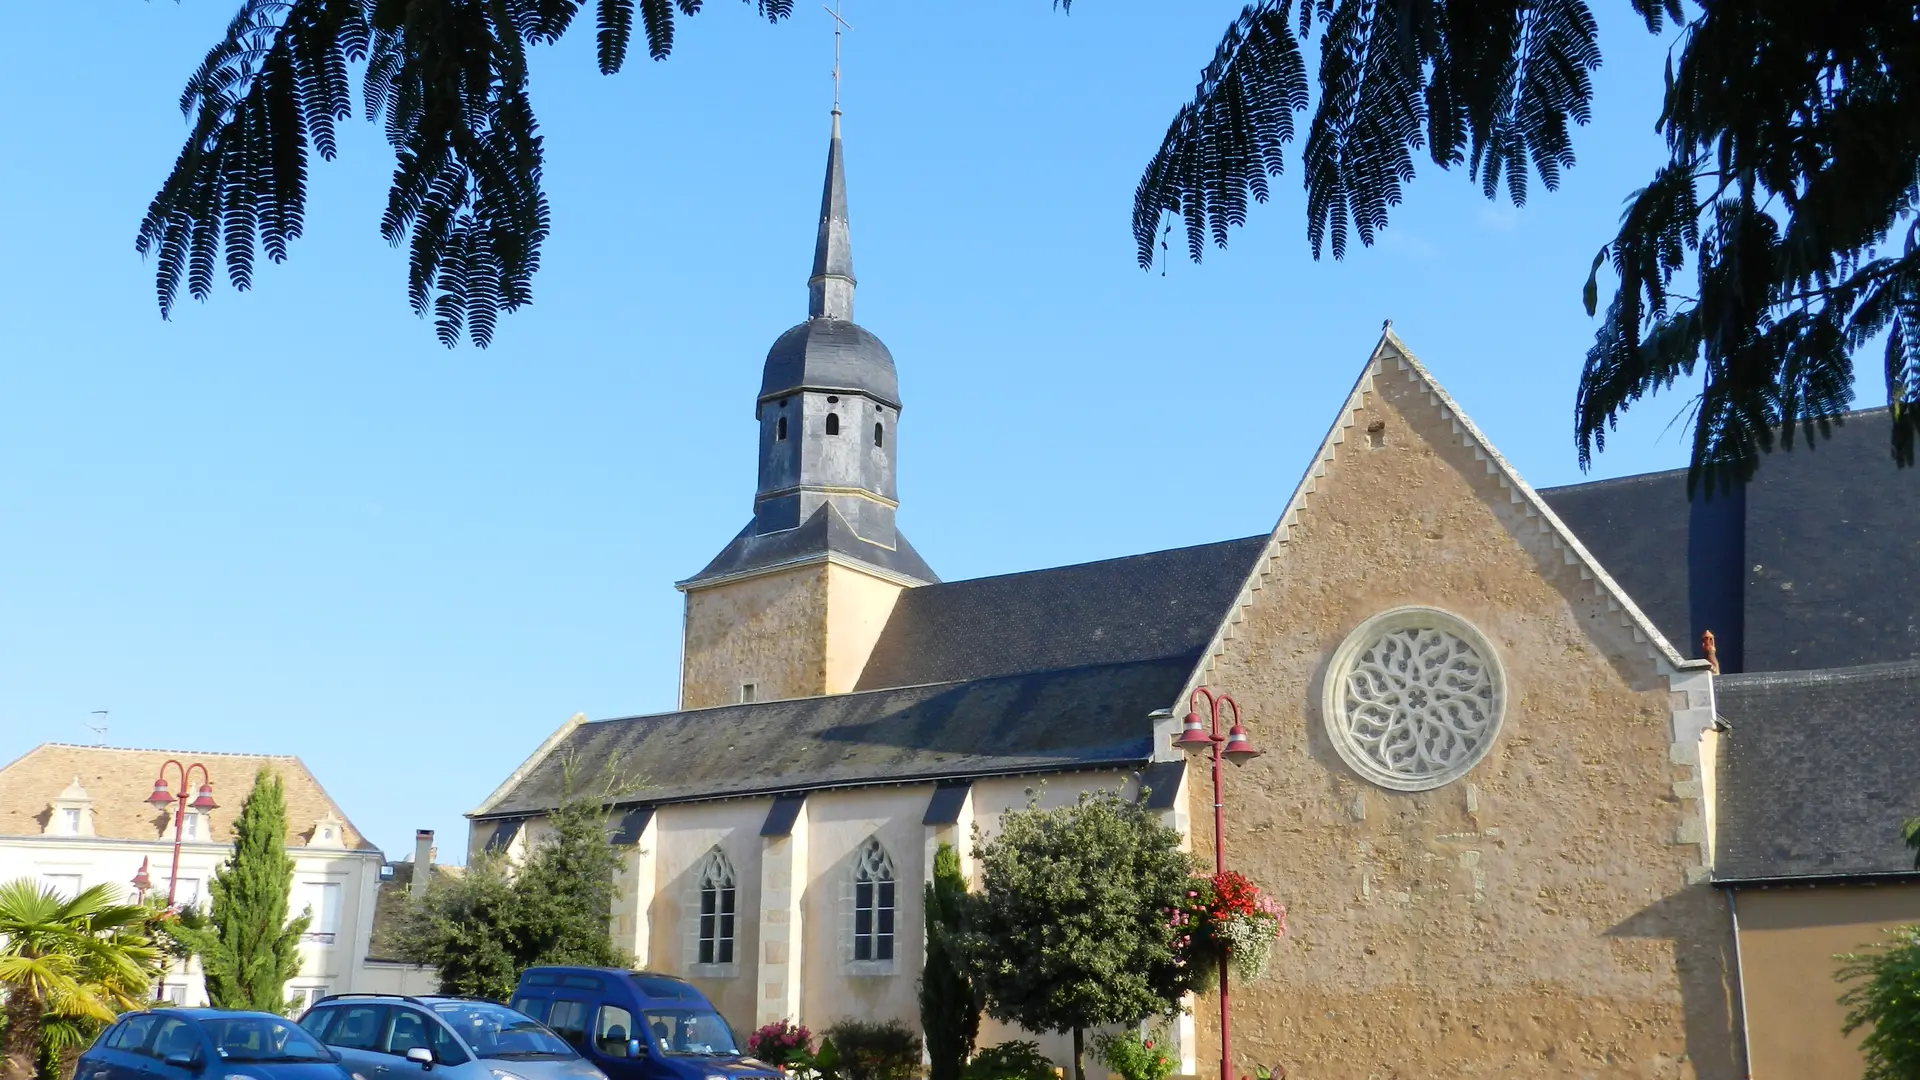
{"points": [[1196, 738], [162, 798], [141, 883]]}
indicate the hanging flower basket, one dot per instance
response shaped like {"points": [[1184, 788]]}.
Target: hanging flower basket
{"points": [[1226, 912]]}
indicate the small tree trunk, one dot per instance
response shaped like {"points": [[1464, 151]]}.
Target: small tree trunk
{"points": [[1079, 1054], [22, 1047]]}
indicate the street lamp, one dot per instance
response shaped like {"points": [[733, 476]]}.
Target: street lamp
{"points": [[160, 800], [141, 883], [1235, 746]]}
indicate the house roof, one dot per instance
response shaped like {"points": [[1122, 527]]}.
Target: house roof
{"points": [[1078, 718], [390, 899], [1161, 605], [1816, 775], [119, 780]]}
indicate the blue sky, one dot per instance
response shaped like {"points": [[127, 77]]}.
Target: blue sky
{"points": [[289, 521]]}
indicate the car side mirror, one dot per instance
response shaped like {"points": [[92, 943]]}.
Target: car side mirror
{"points": [[633, 1048], [421, 1056]]}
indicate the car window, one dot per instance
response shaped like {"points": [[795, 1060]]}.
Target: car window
{"points": [[132, 1033], [534, 1007], [174, 1037], [358, 1027], [317, 1021], [446, 1049], [611, 1030], [243, 1037], [409, 1031], [569, 1021]]}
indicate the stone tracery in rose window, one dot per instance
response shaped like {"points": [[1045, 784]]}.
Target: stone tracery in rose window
{"points": [[1414, 699]]}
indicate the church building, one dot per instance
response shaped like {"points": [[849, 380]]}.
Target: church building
{"points": [[1525, 821]]}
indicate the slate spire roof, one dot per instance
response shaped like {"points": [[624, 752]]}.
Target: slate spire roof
{"points": [[830, 289]]}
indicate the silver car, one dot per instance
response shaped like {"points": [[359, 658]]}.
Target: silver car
{"points": [[390, 1037]]}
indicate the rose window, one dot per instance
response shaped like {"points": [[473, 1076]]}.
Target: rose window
{"points": [[1414, 699]]}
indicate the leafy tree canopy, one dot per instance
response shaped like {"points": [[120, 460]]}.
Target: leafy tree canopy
{"points": [[1788, 191], [482, 928], [248, 947], [1071, 930]]}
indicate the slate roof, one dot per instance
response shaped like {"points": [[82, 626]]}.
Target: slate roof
{"points": [[1637, 527], [1801, 607], [1816, 775], [830, 354], [826, 532], [1833, 550], [1161, 605], [1087, 717]]}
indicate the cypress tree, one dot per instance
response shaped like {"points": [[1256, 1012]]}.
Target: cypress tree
{"points": [[949, 1002], [249, 948]]}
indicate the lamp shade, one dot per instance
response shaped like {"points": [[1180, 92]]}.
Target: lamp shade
{"points": [[141, 880], [161, 797], [1193, 737], [204, 800], [1239, 748]]}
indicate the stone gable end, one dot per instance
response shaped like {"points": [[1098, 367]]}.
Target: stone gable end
{"points": [[1541, 915]]}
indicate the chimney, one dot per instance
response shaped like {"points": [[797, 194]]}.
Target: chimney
{"points": [[1713, 652], [422, 862]]}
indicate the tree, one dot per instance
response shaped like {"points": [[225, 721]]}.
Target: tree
{"points": [[465, 929], [1885, 998], [248, 947], [1793, 159], [481, 929], [67, 967], [950, 1004], [1072, 930], [1792, 163]]}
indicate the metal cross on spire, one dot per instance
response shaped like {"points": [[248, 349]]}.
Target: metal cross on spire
{"points": [[839, 24]]}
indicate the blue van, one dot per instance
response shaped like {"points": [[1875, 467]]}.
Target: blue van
{"points": [[637, 1025]]}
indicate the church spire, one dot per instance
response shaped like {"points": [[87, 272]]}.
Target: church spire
{"points": [[830, 289]]}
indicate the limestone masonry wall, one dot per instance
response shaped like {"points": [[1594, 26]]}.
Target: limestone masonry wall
{"points": [[769, 630], [1532, 918]]}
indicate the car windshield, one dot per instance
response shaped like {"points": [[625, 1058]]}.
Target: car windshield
{"points": [[495, 1031], [691, 1032], [262, 1038]]}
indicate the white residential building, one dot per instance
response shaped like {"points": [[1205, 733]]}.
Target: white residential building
{"points": [[78, 816]]}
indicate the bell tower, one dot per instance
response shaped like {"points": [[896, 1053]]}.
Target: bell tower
{"points": [[792, 606]]}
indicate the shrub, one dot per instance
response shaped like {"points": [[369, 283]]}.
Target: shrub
{"points": [[876, 1050], [780, 1042], [1010, 1061], [1134, 1056]]}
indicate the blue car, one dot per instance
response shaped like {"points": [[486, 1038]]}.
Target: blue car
{"points": [[207, 1044], [637, 1025]]}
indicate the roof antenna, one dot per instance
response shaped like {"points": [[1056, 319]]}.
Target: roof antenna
{"points": [[100, 729]]}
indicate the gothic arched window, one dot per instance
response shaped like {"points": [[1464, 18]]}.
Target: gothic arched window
{"points": [[873, 894], [716, 909], [833, 423], [879, 438]]}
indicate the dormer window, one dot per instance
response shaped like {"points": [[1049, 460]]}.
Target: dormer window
{"points": [[71, 812], [833, 423]]}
